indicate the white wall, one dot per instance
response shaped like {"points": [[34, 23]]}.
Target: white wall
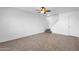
{"points": [[61, 26], [52, 20], [15, 23], [68, 24], [74, 23]]}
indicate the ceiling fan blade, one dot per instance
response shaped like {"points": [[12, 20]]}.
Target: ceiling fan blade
{"points": [[48, 10], [37, 10]]}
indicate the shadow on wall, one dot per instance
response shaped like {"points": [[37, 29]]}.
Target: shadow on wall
{"points": [[52, 20]]}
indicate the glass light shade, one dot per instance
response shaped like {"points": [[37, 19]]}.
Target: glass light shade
{"points": [[42, 12]]}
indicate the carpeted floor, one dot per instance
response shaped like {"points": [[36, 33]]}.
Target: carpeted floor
{"points": [[42, 42]]}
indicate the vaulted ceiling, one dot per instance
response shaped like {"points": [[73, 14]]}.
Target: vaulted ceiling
{"points": [[55, 10]]}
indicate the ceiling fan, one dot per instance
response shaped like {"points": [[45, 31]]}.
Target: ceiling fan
{"points": [[43, 10]]}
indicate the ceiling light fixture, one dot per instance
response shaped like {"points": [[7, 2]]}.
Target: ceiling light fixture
{"points": [[44, 10]]}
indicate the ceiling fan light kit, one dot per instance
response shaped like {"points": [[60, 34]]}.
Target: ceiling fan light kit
{"points": [[44, 10]]}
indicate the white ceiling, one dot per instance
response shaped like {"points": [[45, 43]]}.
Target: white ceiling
{"points": [[53, 9]]}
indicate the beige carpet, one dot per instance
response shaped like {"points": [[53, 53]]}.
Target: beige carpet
{"points": [[42, 42]]}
